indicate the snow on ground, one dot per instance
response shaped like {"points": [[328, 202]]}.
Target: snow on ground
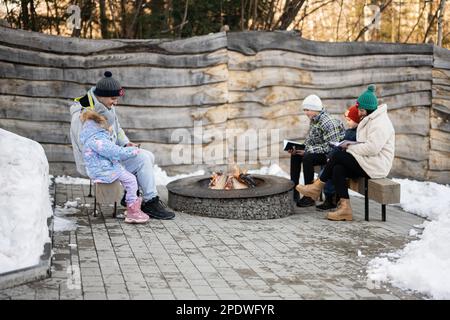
{"points": [[424, 264], [62, 224], [163, 179], [71, 180], [24, 201], [426, 199], [273, 170]]}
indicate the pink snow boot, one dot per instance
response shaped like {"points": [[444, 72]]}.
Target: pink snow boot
{"points": [[134, 213]]}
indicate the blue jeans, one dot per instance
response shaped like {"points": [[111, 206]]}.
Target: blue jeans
{"points": [[328, 189], [142, 167]]}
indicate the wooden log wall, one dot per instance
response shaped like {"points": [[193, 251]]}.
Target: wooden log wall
{"points": [[240, 81]]}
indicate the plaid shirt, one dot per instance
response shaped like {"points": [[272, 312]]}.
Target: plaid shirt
{"points": [[323, 130]]}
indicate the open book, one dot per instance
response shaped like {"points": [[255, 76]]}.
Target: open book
{"points": [[289, 144], [338, 144]]}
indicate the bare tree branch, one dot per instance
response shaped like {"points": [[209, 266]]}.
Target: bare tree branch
{"points": [[131, 28], [430, 25], [421, 12], [290, 11], [184, 16], [339, 20], [441, 14]]}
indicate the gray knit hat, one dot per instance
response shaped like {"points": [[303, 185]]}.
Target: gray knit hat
{"points": [[108, 87]]}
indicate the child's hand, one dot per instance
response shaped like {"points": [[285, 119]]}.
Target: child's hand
{"points": [[131, 144], [136, 151]]}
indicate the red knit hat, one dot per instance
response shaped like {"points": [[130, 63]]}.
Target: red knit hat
{"points": [[353, 114]]}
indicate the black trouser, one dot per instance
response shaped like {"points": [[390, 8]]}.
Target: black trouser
{"points": [[342, 165], [309, 161]]}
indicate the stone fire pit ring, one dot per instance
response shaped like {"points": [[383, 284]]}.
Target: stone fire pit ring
{"points": [[270, 199]]}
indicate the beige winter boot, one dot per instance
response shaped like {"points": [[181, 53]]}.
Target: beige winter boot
{"points": [[312, 190], [343, 212]]}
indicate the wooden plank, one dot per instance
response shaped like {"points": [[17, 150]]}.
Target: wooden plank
{"points": [[129, 77], [439, 140], [251, 42], [67, 45], [58, 152], [176, 97], [418, 79], [34, 109], [42, 132], [63, 168], [149, 59], [441, 92], [49, 109], [313, 62], [439, 176], [275, 95], [442, 105], [414, 120], [384, 191], [439, 160], [441, 58], [440, 74], [440, 120], [411, 146], [404, 168]]}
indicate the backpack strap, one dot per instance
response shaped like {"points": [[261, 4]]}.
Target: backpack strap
{"points": [[86, 101]]}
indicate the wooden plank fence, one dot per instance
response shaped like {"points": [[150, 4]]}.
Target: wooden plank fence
{"points": [[226, 81]]}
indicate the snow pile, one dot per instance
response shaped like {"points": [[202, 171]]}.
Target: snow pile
{"points": [[24, 201], [426, 199], [163, 179], [71, 180], [273, 170], [424, 264]]}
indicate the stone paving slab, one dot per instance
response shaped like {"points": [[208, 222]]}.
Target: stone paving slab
{"points": [[302, 256]]}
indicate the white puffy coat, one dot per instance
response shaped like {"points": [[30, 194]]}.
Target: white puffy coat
{"points": [[376, 152]]}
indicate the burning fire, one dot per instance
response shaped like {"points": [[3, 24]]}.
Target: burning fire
{"points": [[236, 180]]}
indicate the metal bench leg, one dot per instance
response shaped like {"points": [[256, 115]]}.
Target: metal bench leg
{"points": [[366, 199], [115, 210], [90, 189], [383, 212], [95, 206]]}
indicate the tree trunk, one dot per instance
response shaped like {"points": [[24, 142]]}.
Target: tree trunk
{"points": [[184, 17], [364, 30], [123, 18], [103, 20], [441, 14], [131, 29], [430, 23], [339, 20], [25, 15], [292, 8]]}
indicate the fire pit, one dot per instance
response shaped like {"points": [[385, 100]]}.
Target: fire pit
{"points": [[270, 198]]}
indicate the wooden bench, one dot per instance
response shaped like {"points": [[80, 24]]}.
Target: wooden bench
{"points": [[107, 193], [383, 190]]}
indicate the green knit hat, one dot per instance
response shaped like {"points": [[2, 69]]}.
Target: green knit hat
{"points": [[368, 99]]}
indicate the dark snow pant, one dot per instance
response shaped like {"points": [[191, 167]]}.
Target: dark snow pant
{"points": [[342, 165], [309, 161]]}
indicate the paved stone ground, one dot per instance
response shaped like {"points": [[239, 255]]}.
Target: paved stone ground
{"points": [[303, 256]]}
